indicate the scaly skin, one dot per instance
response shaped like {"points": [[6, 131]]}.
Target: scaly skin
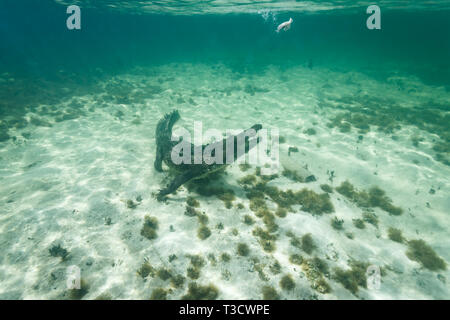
{"points": [[187, 172]]}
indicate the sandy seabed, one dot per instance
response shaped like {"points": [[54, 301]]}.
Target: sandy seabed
{"points": [[66, 179]]}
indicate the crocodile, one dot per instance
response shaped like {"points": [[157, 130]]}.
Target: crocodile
{"points": [[198, 168]]}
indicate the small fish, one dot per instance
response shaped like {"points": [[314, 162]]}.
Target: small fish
{"points": [[285, 25]]}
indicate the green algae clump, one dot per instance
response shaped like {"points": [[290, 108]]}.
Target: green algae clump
{"points": [[269, 293], [421, 252], [395, 235], [146, 270], [371, 218], [105, 296], [248, 220], [191, 201], [257, 204], [227, 196], [243, 250], [354, 278], [247, 180], [244, 166], [275, 268], [58, 251], [159, 294], [269, 221], [193, 273], [131, 204], [319, 265], [149, 228], [315, 269], [203, 232], [177, 281], [281, 212], [310, 131], [379, 199], [240, 206], [225, 257], [268, 246], [197, 263], [337, 223], [293, 175], [321, 286], [296, 259], [191, 211], [202, 218], [307, 243], [266, 239], [314, 203], [375, 197], [197, 292], [359, 223], [286, 283], [326, 188], [347, 190], [310, 201], [164, 274]]}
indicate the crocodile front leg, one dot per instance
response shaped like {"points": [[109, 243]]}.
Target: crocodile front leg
{"points": [[175, 184]]}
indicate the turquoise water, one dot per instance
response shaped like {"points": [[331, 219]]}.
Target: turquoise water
{"points": [[364, 112]]}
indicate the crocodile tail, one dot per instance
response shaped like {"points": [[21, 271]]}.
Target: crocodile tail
{"points": [[165, 125], [164, 136]]}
